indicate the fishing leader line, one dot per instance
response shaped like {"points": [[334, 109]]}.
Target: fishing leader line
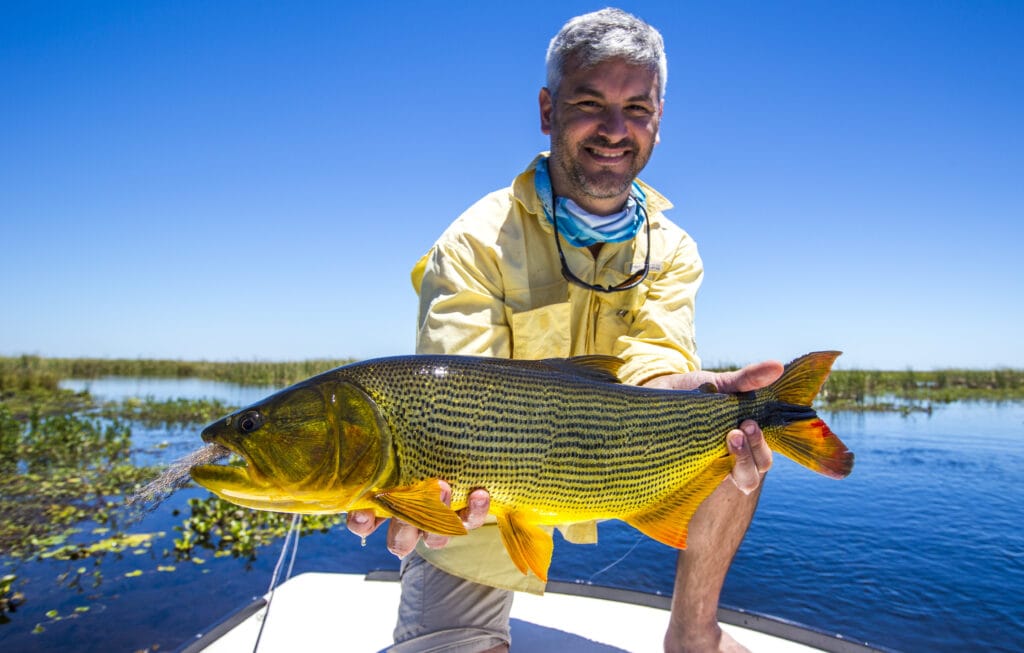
{"points": [[290, 539], [620, 559]]}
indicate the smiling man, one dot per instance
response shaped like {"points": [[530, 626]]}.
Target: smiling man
{"points": [[576, 257]]}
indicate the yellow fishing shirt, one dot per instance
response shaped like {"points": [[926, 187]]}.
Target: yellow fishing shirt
{"points": [[492, 285]]}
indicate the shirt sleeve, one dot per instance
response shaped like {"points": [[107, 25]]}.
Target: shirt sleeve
{"points": [[461, 307], [662, 337]]}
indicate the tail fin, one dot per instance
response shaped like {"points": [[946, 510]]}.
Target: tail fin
{"points": [[809, 442]]}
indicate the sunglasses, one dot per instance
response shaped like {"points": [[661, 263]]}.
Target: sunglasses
{"points": [[632, 281]]}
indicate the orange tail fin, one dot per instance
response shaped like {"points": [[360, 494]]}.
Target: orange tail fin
{"points": [[808, 441]]}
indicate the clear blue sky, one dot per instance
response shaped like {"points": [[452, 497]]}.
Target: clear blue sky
{"points": [[253, 180]]}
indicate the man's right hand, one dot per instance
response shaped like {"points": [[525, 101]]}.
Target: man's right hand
{"points": [[402, 536]]}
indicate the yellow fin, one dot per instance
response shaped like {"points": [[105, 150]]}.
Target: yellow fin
{"points": [[804, 377], [812, 443], [527, 544], [584, 532], [667, 522], [420, 505], [809, 441]]}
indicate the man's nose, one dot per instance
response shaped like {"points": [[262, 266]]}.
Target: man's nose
{"points": [[613, 124]]}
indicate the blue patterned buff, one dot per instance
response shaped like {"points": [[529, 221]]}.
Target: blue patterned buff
{"points": [[581, 228]]}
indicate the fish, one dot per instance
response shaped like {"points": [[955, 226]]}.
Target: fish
{"points": [[555, 442]]}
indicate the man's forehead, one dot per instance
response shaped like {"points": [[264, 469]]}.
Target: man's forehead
{"points": [[579, 78]]}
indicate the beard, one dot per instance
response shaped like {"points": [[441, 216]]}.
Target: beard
{"points": [[605, 183]]}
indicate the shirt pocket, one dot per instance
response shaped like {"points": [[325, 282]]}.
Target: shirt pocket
{"points": [[544, 332], [615, 316]]}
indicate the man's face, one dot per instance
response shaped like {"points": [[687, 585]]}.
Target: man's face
{"points": [[603, 124]]}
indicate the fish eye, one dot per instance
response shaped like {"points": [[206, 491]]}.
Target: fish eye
{"points": [[250, 420]]}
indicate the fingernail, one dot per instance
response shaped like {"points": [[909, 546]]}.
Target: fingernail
{"points": [[749, 429], [357, 518], [737, 441]]}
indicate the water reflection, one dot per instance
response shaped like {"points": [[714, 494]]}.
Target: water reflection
{"points": [[117, 388]]}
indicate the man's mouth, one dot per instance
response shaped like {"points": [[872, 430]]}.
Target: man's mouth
{"points": [[607, 155]]}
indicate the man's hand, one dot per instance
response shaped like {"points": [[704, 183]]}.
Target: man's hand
{"points": [[402, 536], [752, 456]]}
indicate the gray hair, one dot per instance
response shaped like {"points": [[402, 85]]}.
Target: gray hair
{"points": [[606, 34]]}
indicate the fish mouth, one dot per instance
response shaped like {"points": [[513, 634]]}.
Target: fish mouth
{"points": [[239, 482], [226, 476]]}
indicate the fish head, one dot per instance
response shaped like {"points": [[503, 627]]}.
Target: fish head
{"points": [[315, 447]]}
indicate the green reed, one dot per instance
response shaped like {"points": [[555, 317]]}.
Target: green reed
{"points": [[38, 371], [866, 388]]}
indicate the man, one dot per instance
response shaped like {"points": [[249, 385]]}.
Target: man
{"points": [[575, 258]]}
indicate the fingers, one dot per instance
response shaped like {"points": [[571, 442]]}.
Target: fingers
{"points": [[751, 377], [433, 540], [473, 515], [752, 457], [477, 507], [363, 522], [402, 536]]}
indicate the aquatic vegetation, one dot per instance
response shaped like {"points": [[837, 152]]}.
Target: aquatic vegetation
{"points": [[225, 529], [27, 386], [10, 599], [180, 412], [917, 390], [60, 470]]}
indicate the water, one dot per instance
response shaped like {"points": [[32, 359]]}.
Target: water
{"points": [[115, 388], [920, 549]]}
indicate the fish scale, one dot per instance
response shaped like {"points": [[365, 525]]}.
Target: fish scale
{"points": [[572, 454]]}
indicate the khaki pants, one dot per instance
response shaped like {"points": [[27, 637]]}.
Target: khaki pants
{"points": [[441, 613]]}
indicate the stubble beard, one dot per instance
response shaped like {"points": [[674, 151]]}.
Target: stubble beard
{"points": [[605, 184]]}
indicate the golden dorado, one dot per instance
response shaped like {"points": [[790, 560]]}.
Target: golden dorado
{"points": [[554, 442]]}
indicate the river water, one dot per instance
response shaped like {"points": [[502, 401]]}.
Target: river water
{"points": [[920, 549]]}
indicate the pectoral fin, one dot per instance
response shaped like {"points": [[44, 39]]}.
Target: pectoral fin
{"points": [[420, 505], [527, 544], [667, 521]]}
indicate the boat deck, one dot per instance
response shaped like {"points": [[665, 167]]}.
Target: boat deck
{"points": [[351, 612]]}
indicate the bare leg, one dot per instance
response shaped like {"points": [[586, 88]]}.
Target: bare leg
{"points": [[715, 533]]}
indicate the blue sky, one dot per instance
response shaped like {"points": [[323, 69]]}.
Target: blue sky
{"points": [[253, 180]]}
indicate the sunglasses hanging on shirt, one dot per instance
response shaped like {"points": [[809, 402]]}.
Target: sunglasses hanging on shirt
{"points": [[581, 229]]}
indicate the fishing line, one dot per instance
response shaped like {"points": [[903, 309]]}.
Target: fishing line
{"points": [[290, 539], [621, 558]]}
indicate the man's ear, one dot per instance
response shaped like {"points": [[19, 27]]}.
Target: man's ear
{"points": [[661, 112], [547, 105]]}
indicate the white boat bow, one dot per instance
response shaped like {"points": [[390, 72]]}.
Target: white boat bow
{"points": [[352, 612]]}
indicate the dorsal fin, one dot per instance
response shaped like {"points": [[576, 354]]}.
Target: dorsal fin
{"points": [[596, 367]]}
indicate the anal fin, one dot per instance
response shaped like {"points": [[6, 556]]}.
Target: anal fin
{"points": [[527, 544], [420, 504], [668, 521]]}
